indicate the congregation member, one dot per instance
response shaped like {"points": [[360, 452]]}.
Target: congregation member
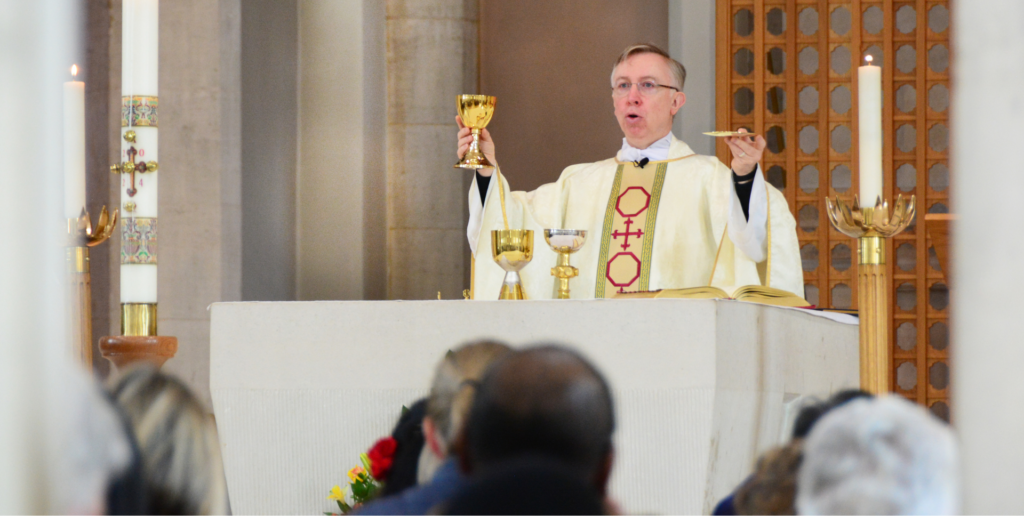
{"points": [[451, 396], [528, 486], [409, 446], [657, 206], [178, 441], [93, 450], [879, 456], [772, 487], [545, 402]]}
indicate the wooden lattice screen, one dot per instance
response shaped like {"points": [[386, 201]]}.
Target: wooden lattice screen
{"points": [[787, 69]]}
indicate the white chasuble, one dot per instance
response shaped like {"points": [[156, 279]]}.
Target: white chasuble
{"points": [[663, 226]]}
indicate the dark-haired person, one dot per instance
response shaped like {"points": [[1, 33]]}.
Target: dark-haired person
{"points": [[532, 485], [548, 403], [657, 206]]}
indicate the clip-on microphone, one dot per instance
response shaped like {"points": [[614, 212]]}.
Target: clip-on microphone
{"points": [[641, 162]]}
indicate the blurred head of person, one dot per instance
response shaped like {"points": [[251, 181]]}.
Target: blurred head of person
{"points": [[178, 442], [408, 436], [531, 485], [548, 402], [91, 446], [451, 396], [879, 456], [810, 414], [772, 487]]}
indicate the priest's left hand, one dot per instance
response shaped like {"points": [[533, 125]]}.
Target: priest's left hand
{"points": [[746, 154]]}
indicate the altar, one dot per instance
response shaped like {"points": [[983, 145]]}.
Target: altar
{"points": [[701, 387]]}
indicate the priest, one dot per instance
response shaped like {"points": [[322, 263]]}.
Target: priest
{"points": [[657, 215]]}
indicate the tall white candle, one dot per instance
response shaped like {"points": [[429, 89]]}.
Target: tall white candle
{"points": [[139, 78], [869, 107], [74, 146]]}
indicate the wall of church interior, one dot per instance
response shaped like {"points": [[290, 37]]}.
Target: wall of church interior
{"points": [[691, 41], [787, 70], [549, 64]]}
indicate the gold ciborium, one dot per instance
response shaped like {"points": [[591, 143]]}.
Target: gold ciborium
{"points": [[512, 250], [564, 242], [475, 112]]}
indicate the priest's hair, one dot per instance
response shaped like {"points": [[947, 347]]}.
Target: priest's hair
{"points": [[879, 456], [455, 379], [675, 67]]}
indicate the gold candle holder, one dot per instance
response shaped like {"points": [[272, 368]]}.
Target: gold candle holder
{"points": [[81, 236], [871, 226]]}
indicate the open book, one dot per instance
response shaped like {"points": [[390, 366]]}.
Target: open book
{"points": [[750, 293]]}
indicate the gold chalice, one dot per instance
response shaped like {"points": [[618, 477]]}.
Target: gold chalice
{"points": [[512, 250], [476, 112], [564, 242]]}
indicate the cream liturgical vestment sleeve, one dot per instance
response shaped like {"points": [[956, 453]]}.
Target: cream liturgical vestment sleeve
{"points": [[662, 226]]}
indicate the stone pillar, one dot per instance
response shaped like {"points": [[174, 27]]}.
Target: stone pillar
{"points": [[431, 58], [988, 105], [340, 183]]}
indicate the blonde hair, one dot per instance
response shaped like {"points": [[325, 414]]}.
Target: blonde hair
{"points": [[455, 381], [675, 67], [178, 442]]}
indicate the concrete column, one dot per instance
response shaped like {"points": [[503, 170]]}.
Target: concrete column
{"points": [[200, 188], [340, 207], [988, 105], [431, 58], [270, 39], [691, 41]]}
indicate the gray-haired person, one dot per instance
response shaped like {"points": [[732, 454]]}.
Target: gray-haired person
{"points": [[879, 456]]}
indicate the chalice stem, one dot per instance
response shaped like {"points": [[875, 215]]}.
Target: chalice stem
{"points": [[563, 278], [512, 288]]}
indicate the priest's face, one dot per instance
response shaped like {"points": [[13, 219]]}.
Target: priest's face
{"points": [[646, 118]]}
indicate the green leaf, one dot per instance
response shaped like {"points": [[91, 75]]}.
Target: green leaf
{"points": [[404, 410]]}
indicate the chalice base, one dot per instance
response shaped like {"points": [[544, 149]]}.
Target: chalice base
{"points": [[512, 288]]}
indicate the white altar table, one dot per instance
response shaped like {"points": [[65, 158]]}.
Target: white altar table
{"points": [[701, 387]]}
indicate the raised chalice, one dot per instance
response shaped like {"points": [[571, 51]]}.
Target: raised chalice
{"points": [[512, 250], [475, 112], [564, 242]]}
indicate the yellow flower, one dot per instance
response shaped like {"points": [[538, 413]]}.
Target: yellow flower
{"points": [[337, 494], [354, 473]]}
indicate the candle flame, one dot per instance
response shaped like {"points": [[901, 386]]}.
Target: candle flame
{"points": [[74, 70], [868, 58]]}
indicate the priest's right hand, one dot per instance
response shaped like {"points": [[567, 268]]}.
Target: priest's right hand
{"points": [[486, 145]]}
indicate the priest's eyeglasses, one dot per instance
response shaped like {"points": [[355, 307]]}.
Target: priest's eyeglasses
{"points": [[646, 88]]}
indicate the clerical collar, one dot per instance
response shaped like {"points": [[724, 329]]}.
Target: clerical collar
{"points": [[657, 151]]}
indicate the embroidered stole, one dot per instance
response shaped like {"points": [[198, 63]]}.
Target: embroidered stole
{"points": [[627, 239]]}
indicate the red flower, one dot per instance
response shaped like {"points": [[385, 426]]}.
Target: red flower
{"points": [[381, 457]]}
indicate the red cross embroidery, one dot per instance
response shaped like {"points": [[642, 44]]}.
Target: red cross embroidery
{"points": [[638, 233]]}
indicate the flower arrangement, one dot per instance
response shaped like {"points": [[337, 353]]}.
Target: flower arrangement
{"points": [[366, 481]]}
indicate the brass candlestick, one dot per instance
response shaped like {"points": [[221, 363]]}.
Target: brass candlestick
{"points": [[82, 236], [871, 226], [564, 242]]}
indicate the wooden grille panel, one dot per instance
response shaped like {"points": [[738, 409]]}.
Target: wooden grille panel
{"points": [[787, 69]]}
